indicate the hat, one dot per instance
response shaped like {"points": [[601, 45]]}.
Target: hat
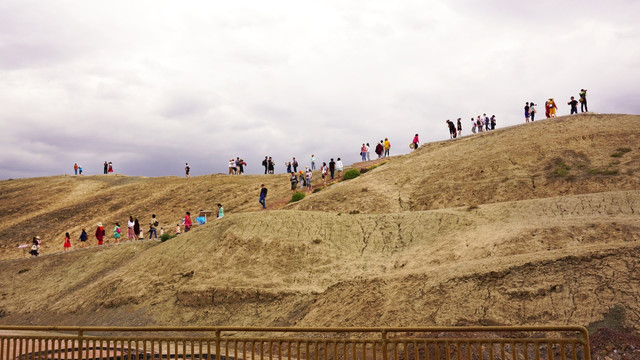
{"points": [[99, 224], [38, 237]]}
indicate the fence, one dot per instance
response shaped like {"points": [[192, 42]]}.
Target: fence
{"points": [[245, 343]]}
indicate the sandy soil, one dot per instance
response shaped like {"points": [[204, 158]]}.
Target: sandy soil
{"points": [[534, 224]]}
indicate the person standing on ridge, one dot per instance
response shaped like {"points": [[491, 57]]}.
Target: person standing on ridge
{"points": [[387, 146], [583, 100], [473, 125], [271, 165], [532, 111], [459, 127], [323, 171], [546, 109], [263, 196], [452, 129], [187, 169], [75, 168], [379, 149], [415, 142], [130, 234], [493, 122], [106, 167], [308, 176], [313, 161], [136, 229], [332, 168], [552, 108], [363, 152], [100, 234], [265, 163], [368, 152], [526, 112], [294, 163], [574, 105]]}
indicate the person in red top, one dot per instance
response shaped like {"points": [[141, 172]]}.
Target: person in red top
{"points": [[415, 142], [100, 233], [187, 222], [67, 242]]}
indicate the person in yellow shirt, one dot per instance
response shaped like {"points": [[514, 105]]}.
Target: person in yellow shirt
{"points": [[387, 146], [552, 108]]}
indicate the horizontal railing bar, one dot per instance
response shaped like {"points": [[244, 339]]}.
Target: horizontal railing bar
{"points": [[562, 328]]}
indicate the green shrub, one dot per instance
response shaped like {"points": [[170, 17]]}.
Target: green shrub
{"points": [[562, 169], [297, 197], [351, 174], [166, 237], [317, 190]]}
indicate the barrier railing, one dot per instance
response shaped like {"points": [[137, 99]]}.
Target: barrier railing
{"points": [[254, 343]]}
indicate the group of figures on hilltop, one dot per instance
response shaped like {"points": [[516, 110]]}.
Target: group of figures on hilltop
{"points": [[551, 107]]}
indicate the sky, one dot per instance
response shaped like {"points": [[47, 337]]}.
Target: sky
{"points": [[150, 85]]}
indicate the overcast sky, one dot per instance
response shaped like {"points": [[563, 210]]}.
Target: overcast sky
{"points": [[149, 85]]}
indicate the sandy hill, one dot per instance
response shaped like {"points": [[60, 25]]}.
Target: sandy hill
{"points": [[533, 224]]}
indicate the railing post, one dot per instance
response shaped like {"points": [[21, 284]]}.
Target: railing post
{"points": [[80, 344], [218, 345], [384, 344]]}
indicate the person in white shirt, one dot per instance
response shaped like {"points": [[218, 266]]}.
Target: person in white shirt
{"points": [[232, 166], [313, 161], [339, 167]]}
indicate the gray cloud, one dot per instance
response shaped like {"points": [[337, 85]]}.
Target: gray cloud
{"points": [[151, 85]]}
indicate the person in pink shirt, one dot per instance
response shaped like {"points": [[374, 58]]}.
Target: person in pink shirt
{"points": [[415, 141]]}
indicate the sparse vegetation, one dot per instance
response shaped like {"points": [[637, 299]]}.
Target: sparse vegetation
{"points": [[562, 170], [354, 212], [316, 190], [166, 237], [297, 197], [620, 151], [351, 174]]}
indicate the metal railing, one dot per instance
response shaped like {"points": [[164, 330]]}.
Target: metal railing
{"points": [[254, 343]]}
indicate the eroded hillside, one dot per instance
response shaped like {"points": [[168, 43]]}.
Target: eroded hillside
{"points": [[431, 238]]}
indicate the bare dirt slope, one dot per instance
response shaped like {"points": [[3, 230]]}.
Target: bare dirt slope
{"points": [[436, 237]]}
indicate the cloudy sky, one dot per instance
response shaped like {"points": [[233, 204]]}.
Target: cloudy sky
{"points": [[149, 85]]}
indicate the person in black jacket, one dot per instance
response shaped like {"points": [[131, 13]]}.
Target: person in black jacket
{"points": [[83, 237], [332, 168], [263, 196], [265, 163]]}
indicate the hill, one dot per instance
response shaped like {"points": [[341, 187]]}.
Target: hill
{"points": [[534, 224]]}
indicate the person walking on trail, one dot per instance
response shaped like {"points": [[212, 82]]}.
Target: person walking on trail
{"points": [[75, 169], [339, 167], [294, 181], [546, 109], [117, 232], [527, 114], [153, 226], [220, 211], [187, 169], [263, 196], [363, 152], [106, 167], [265, 163], [368, 152], [130, 233], [35, 246], [479, 124], [552, 108], [136, 229], [83, 237], [416, 142], [332, 168], [387, 147], [574, 105], [493, 122], [294, 163], [459, 127], [487, 126], [583, 100], [67, 242], [313, 161], [100, 234], [452, 129], [187, 221], [323, 172], [473, 125], [379, 149], [532, 111]]}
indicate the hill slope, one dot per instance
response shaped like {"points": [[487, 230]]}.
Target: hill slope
{"points": [[438, 238]]}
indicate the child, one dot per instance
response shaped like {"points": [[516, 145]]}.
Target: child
{"points": [[220, 211], [83, 237], [67, 242], [161, 231], [178, 229], [116, 233]]}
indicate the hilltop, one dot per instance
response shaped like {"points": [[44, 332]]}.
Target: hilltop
{"points": [[533, 224]]}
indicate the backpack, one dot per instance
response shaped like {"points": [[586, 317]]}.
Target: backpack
{"points": [[103, 232], [155, 223]]}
